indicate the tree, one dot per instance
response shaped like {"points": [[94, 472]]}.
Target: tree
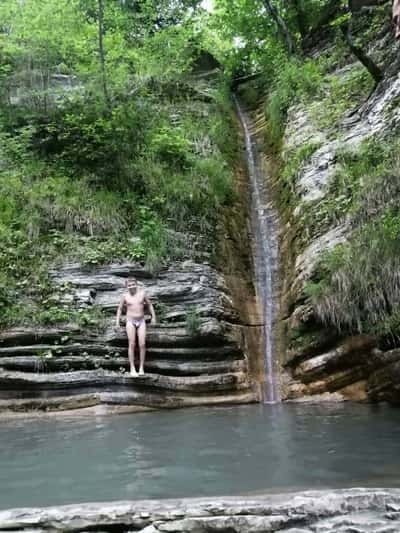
{"points": [[301, 16], [365, 59], [281, 25], [100, 15]]}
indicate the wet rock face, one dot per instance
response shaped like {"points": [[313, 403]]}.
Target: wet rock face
{"points": [[189, 361], [342, 511]]}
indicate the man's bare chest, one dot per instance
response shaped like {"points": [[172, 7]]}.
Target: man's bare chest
{"points": [[134, 300]]}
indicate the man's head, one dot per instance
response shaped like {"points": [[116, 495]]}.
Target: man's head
{"points": [[131, 285]]}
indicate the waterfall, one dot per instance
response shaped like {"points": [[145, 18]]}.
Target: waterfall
{"points": [[264, 221]]}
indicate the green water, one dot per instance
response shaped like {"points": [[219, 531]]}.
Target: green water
{"points": [[197, 452]]}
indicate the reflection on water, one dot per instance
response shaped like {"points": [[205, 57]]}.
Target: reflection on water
{"points": [[196, 452]]}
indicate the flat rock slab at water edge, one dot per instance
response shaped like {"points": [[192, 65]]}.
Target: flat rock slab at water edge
{"points": [[339, 511]]}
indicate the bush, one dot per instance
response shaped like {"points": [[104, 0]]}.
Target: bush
{"points": [[294, 81], [342, 93], [87, 138], [358, 285], [171, 147]]}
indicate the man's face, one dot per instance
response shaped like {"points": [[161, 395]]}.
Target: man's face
{"points": [[132, 286]]}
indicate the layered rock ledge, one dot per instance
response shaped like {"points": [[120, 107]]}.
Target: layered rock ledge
{"points": [[340, 511], [197, 352]]}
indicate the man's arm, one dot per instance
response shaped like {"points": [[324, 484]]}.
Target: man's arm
{"points": [[151, 309], [119, 310]]}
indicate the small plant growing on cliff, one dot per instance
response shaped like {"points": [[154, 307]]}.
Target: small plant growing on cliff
{"points": [[41, 360], [161, 310], [193, 322], [170, 145]]}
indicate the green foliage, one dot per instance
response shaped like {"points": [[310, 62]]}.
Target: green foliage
{"points": [[357, 287], [328, 98], [251, 94], [368, 26], [95, 251], [362, 186], [193, 322], [249, 39], [292, 163], [168, 53], [295, 81], [161, 310], [153, 235], [360, 292], [85, 137], [95, 179], [341, 93], [41, 360], [169, 145]]}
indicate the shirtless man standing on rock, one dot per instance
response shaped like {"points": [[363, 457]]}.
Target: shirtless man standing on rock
{"points": [[135, 300]]}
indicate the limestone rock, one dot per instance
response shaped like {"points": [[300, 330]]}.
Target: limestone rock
{"points": [[318, 359], [384, 383], [337, 511], [70, 367]]}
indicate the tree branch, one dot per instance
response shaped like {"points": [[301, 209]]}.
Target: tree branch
{"points": [[101, 51], [301, 17], [368, 63], [281, 24]]}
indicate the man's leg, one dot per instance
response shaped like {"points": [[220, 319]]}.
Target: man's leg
{"points": [[141, 331], [131, 332]]}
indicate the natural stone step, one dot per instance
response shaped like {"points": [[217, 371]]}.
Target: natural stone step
{"points": [[23, 384], [70, 363], [30, 335], [338, 380], [204, 354], [353, 352], [212, 332], [373, 371], [117, 402], [178, 288]]}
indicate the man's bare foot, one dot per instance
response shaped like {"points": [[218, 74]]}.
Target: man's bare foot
{"points": [[141, 372], [134, 374]]}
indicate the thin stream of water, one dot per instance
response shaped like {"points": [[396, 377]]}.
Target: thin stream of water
{"points": [[265, 253]]}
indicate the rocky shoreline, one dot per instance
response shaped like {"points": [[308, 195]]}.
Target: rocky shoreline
{"points": [[339, 511]]}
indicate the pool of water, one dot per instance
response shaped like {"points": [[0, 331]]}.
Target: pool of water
{"points": [[197, 452]]}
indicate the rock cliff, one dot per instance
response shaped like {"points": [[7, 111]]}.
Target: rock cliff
{"points": [[205, 348], [191, 361], [318, 360]]}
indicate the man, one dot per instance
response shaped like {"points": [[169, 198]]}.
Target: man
{"points": [[135, 300]]}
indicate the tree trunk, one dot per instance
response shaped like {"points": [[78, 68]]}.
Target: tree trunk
{"points": [[301, 17], [281, 24], [102, 52], [368, 63]]}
